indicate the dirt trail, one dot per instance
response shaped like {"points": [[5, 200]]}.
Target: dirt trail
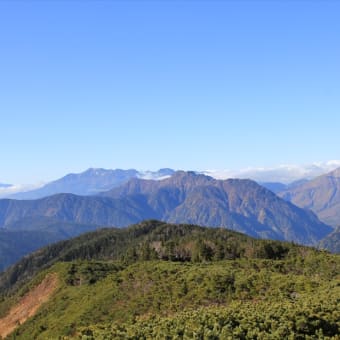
{"points": [[28, 305]]}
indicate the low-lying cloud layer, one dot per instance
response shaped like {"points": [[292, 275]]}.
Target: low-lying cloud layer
{"points": [[282, 173], [13, 189]]}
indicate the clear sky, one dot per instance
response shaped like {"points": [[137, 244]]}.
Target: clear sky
{"points": [[180, 84]]}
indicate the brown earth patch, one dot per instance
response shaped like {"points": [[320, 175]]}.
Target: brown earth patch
{"points": [[28, 305]]}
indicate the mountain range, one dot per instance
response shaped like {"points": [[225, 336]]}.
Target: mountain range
{"points": [[95, 180], [321, 195], [91, 182], [278, 187], [185, 197], [29, 234], [241, 205], [285, 174], [177, 197]]}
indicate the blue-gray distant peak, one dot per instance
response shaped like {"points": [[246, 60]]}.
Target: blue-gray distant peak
{"points": [[91, 182], [184, 197], [321, 195]]}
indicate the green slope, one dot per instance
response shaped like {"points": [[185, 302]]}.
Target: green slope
{"points": [[154, 298], [148, 240], [108, 290]]}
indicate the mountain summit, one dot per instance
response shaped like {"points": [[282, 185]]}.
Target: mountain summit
{"points": [[237, 204], [321, 195], [185, 197], [91, 182]]}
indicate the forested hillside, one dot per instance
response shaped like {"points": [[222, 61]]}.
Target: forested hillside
{"points": [[148, 240], [157, 280]]}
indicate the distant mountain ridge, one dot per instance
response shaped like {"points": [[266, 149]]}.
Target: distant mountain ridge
{"points": [[185, 197], [95, 180], [321, 195], [73, 208], [90, 182], [285, 174], [277, 187], [23, 237], [242, 205]]}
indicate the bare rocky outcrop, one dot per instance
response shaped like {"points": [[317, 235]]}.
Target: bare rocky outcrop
{"points": [[28, 305]]}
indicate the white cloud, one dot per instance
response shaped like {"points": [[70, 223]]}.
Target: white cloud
{"points": [[154, 175], [285, 173], [13, 189]]}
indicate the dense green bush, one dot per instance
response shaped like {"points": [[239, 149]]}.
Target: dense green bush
{"points": [[246, 299]]}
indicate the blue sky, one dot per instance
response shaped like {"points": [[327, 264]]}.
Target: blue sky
{"points": [[180, 84]]}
